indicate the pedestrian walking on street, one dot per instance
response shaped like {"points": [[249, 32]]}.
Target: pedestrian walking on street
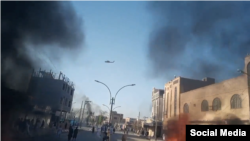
{"points": [[75, 134], [93, 129], [59, 131], [42, 125], [70, 133], [124, 137], [65, 125], [28, 128], [106, 137]]}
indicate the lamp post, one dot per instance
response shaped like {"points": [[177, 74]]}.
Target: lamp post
{"points": [[109, 109], [112, 100], [242, 72], [155, 120]]}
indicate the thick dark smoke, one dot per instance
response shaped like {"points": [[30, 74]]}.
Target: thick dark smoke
{"points": [[199, 39], [35, 25], [30, 26]]}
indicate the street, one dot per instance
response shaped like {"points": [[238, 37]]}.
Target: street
{"points": [[85, 134]]}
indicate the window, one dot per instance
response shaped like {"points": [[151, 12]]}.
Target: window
{"points": [[204, 105], [185, 108], [115, 117], [248, 73], [167, 103], [216, 104], [66, 101], [236, 102], [61, 102], [164, 103], [72, 92], [175, 101], [170, 102], [69, 105], [63, 86], [248, 68], [68, 89]]}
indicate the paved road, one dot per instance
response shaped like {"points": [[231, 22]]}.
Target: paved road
{"points": [[85, 134]]}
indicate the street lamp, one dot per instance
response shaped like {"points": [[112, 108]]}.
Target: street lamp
{"points": [[112, 100], [107, 88], [242, 72], [116, 107], [110, 110], [122, 88]]}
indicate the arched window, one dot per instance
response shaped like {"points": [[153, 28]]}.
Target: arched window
{"points": [[204, 105], [235, 102], [185, 108], [175, 101], [248, 73], [216, 104]]}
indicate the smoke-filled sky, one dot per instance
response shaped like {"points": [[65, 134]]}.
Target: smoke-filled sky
{"points": [[199, 38], [34, 29], [150, 42], [153, 41]]}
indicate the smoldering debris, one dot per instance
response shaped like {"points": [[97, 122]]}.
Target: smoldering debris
{"points": [[199, 39], [47, 24]]}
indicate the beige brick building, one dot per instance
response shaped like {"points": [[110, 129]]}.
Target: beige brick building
{"points": [[116, 117], [207, 101]]}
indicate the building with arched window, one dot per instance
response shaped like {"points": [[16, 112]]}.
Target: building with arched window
{"points": [[208, 102]]}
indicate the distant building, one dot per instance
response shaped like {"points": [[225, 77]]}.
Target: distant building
{"points": [[116, 117], [129, 122], [157, 104], [130, 119], [51, 92]]}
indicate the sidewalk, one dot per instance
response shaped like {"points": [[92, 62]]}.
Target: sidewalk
{"points": [[158, 139], [34, 134]]}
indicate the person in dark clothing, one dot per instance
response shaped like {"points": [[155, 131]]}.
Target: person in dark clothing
{"points": [[114, 130], [66, 125], [75, 133], [42, 125], [93, 129], [70, 133], [105, 138]]}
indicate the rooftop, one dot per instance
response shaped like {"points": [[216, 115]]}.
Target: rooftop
{"points": [[51, 75]]}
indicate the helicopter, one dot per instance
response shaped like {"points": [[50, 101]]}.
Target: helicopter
{"points": [[109, 61]]}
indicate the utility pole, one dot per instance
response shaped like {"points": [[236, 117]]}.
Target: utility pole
{"points": [[85, 102], [83, 112], [156, 129], [138, 121], [110, 116], [80, 114]]}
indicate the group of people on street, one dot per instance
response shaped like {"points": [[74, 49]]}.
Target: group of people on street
{"points": [[72, 133], [26, 125]]}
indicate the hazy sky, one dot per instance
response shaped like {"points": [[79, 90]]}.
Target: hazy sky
{"points": [[116, 31]]}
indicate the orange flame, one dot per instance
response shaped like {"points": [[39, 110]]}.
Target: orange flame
{"points": [[176, 129]]}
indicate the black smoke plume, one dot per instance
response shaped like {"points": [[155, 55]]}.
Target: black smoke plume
{"points": [[31, 26], [49, 25], [199, 39]]}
